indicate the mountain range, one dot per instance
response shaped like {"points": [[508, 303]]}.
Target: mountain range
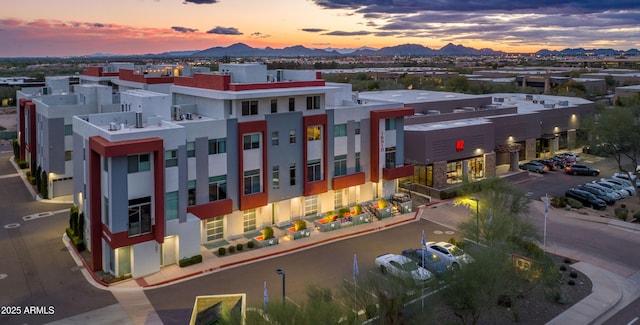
{"points": [[244, 50]]}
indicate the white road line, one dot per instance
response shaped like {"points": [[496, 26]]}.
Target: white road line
{"points": [[633, 321], [9, 175]]}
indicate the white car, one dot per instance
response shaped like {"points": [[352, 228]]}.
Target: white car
{"points": [[454, 256], [402, 267], [625, 177], [610, 192], [621, 182], [615, 187]]}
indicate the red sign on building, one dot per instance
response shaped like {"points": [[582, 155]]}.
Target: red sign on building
{"points": [[459, 145]]}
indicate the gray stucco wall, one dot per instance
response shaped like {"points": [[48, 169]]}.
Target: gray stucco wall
{"points": [[53, 146], [284, 154], [232, 162]]}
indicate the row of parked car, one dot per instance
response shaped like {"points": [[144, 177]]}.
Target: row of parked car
{"points": [[606, 191], [422, 263], [566, 161]]}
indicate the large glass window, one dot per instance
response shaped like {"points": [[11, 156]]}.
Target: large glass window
{"points": [[340, 165], [217, 188], [275, 139], [68, 129], [337, 198], [313, 102], [454, 172], [171, 205], [313, 133], [251, 141], [215, 228], [191, 192], [274, 106], [357, 128], [275, 181], [292, 136], [292, 174], [250, 107], [340, 130], [476, 168], [311, 205], [68, 155], [249, 220], [313, 170], [170, 158], [390, 157], [390, 124], [139, 216], [252, 181], [191, 149], [357, 162], [217, 146], [292, 104], [139, 163]]}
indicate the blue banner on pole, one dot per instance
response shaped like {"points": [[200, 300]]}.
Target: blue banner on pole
{"points": [[355, 266]]}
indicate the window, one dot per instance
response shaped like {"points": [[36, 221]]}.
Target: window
{"points": [[390, 124], [390, 157], [105, 164], [454, 172], [340, 165], [139, 163], [357, 127], [68, 129], [191, 192], [340, 130], [311, 205], [139, 216], [357, 162], [275, 139], [274, 106], [292, 174], [68, 155], [215, 228], [251, 141], [313, 133], [106, 210], [191, 149], [252, 181], [313, 102], [313, 170], [292, 104], [249, 107], [171, 158], [217, 146], [275, 180], [292, 136], [249, 220], [217, 188], [337, 198], [171, 205]]}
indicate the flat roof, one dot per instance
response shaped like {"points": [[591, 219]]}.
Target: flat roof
{"points": [[450, 124], [415, 96]]}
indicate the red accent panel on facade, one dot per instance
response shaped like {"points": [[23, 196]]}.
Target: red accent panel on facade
{"points": [[128, 75], [374, 136], [255, 200], [277, 85], [211, 209], [33, 141], [398, 172], [22, 126], [92, 71], [100, 147], [122, 239], [205, 81], [346, 181], [317, 187], [318, 75]]}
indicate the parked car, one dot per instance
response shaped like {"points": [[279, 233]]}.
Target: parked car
{"points": [[601, 149], [570, 157], [625, 176], [550, 163], [623, 183], [623, 193], [611, 192], [534, 166], [454, 256], [559, 162], [599, 193], [432, 261], [402, 267], [580, 169], [586, 198]]}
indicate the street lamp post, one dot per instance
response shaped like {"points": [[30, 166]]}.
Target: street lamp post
{"points": [[281, 272], [477, 220]]}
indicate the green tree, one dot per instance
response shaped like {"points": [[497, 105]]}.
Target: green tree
{"points": [[619, 128], [457, 83]]}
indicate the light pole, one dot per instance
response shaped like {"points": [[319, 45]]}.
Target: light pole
{"points": [[477, 220], [281, 272]]}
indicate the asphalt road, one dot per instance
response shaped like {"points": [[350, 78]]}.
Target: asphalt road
{"points": [[629, 315], [35, 268], [327, 266]]}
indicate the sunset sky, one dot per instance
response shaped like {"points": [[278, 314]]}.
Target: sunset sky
{"points": [[82, 27]]}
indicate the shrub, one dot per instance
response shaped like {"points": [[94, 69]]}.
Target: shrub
{"points": [[574, 203], [573, 274], [558, 202], [357, 209], [343, 211], [459, 243], [250, 244], [330, 216], [222, 251], [195, 259], [32, 180], [624, 206], [267, 233], [567, 260], [22, 164], [231, 249], [571, 282], [300, 225], [636, 215], [621, 213], [370, 311], [239, 247], [382, 204], [563, 267], [28, 173]]}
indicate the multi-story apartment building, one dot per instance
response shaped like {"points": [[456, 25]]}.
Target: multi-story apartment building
{"points": [[232, 152]]}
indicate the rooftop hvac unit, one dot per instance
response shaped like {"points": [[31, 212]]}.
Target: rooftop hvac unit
{"points": [[563, 103], [499, 99], [176, 113], [535, 101], [528, 97], [139, 120], [113, 126], [542, 101], [549, 105], [189, 116], [433, 112]]}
